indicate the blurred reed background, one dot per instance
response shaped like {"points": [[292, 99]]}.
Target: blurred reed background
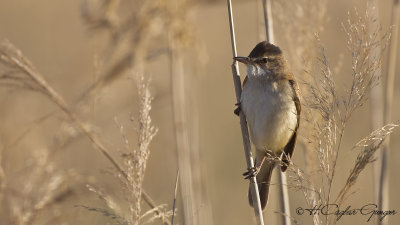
{"points": [[78, 80]]}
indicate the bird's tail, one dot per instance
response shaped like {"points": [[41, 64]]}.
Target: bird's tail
{"points": [[263, 181]]}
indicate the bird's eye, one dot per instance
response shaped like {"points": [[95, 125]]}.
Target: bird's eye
{"points": [[265, 60]]}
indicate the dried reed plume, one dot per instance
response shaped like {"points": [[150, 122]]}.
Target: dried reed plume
{"points": [[331, 112], [21, 73], [135, 166], [303, 19], [367, 48], [136, 37], [368, 146], [137, 159], [132, 35]]}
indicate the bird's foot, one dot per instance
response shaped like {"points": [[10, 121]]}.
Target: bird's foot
{"points": [[251, 172], [238, 109]]}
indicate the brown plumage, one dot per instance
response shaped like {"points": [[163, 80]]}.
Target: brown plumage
{"points": [[271, 102], [289, 148]]}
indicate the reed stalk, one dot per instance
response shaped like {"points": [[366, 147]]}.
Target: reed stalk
{"points": [[376, 116], [382, 165], [243, 123], [282, 179]]}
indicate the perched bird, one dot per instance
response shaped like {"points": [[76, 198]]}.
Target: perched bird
{"points": [[270, 101]]}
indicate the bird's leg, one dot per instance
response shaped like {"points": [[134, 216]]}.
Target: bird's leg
{"points": [[238, 109], [253, 171]]}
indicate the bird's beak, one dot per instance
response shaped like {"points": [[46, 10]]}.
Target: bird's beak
{"points": [[244, 60]]}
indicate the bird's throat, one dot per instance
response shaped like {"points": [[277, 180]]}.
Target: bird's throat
{"points": [[256, 72]]}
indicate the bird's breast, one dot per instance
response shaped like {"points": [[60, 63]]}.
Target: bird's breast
{"points": [[271, 114]]}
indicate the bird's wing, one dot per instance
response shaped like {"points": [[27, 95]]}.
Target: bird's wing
{"points": [[289, 148], [245, 80]]}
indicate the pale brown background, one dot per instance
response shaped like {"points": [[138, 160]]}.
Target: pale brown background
{"points": [[52, 34]]}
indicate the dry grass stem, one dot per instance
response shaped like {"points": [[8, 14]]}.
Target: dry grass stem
{"points": [[142, 31], [137, 160], [117, 219], [109, 200], [13, 58], [135, 166], [368, 145], [302, 19], [44, 167], [323, 100], [331, 111], [367, 48]]}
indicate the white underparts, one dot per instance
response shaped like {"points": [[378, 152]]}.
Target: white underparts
{"points": [[269, 109]]}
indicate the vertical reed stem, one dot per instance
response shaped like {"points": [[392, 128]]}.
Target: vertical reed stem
{"points": [[282, 179], [376, 114], [243, 123], [383, 194], [188, 155]]}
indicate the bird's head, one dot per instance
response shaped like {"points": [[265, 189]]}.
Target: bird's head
{"points": [[265, 61]]}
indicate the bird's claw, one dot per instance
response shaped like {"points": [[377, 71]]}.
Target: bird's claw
{"points": [[251, 172], [238, 109]]}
